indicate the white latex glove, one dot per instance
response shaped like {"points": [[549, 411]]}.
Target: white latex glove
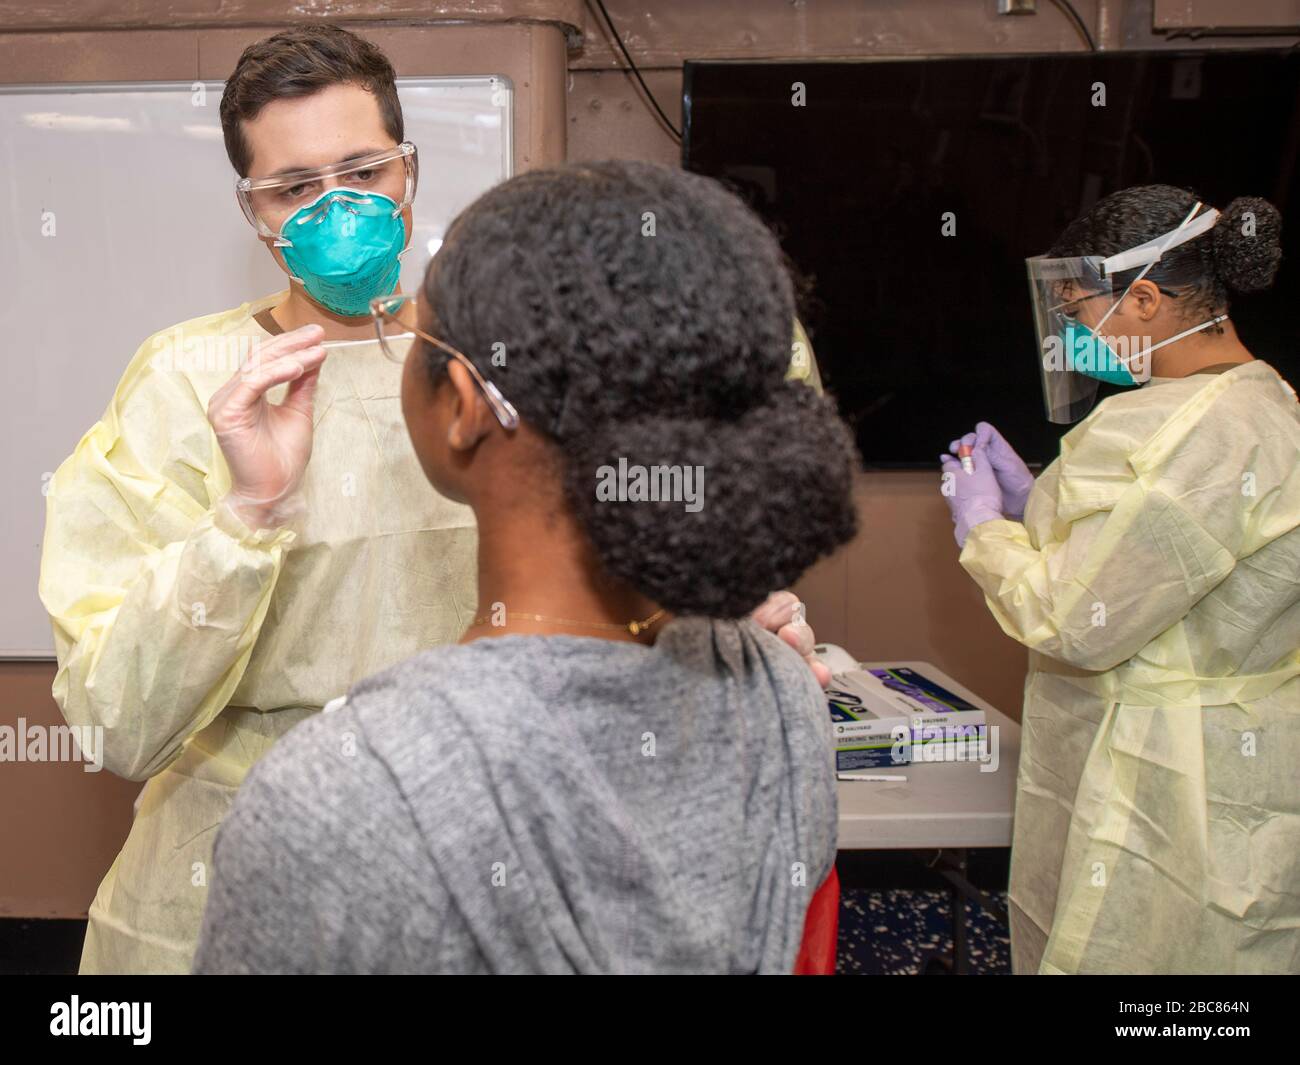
{"points": [[783, 614], [267, 445]]}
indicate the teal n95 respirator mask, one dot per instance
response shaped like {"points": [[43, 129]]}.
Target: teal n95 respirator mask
{"points": [[1075, 357], [344, 248], [339, 227]]}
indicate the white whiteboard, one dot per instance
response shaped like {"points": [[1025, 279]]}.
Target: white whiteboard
{"points": [[135, 184]]}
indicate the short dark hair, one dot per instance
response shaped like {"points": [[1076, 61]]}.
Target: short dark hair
{"points": [[669, 349], [299, 62]]}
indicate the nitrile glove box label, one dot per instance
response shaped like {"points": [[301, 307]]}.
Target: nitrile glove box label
{"points": [[849, 759], [870, 729], [936, 714], [896, 716]]}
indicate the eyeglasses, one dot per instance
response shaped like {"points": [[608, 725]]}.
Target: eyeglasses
{"points": [[1073, 303], [386, 309]]}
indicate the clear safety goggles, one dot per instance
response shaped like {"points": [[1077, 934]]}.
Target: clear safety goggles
{"points": [[1072, 300], [269, 202]]}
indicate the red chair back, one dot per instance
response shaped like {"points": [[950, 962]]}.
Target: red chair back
{"points": [[820, 930]]}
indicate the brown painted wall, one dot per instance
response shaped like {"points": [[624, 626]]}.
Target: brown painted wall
{"points": [[896, 592]]}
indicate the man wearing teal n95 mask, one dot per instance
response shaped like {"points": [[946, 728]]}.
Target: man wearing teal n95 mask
{"points": [[1151, 570], [219, 566], [341, 228], [237, 541]]}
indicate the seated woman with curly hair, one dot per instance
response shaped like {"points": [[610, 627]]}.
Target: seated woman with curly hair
{"points": [[616, 770]]}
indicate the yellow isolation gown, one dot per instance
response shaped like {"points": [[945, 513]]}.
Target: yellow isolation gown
{"points": [[1156, 582], [195, 642]]}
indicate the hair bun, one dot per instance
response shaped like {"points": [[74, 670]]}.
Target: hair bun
{"points": [[774, 495], [1248, 244]]}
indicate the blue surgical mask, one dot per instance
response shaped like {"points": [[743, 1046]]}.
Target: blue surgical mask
{"points": [[344, 248]]}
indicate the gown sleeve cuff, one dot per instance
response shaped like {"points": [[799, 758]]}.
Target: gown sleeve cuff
{"points": [[225, 519]]}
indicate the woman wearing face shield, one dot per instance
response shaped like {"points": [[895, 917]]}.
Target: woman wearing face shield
{"points": [[1153, 571]]}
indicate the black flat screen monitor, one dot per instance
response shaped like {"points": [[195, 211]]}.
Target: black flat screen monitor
{"points": [[919, 334]]}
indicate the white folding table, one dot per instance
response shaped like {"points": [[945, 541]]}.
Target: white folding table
{"points": [[942, 809]]}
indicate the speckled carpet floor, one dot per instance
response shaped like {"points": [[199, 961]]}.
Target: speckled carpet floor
{"points": [[883, 931], [893, 932]]}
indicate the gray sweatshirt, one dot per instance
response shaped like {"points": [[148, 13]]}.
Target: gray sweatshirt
{"points": [[539, 804]]}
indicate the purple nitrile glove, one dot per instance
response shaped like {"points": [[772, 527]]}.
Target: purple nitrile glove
{"points": [[1013, 475], [972, 497]]}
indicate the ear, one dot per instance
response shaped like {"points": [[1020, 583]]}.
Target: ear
{"points": [[1147, 299], [276, 253], [471, 418], [408, 221]]}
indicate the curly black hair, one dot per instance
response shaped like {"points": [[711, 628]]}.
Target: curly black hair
{"points": [[645, 314], [1240, 254]]}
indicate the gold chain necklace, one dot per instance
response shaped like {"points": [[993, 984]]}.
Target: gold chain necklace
{"points": [[634, 627]]}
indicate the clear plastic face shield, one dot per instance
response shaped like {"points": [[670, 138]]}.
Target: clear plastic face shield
{"points": [[269, 202], [1073, 299]]}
